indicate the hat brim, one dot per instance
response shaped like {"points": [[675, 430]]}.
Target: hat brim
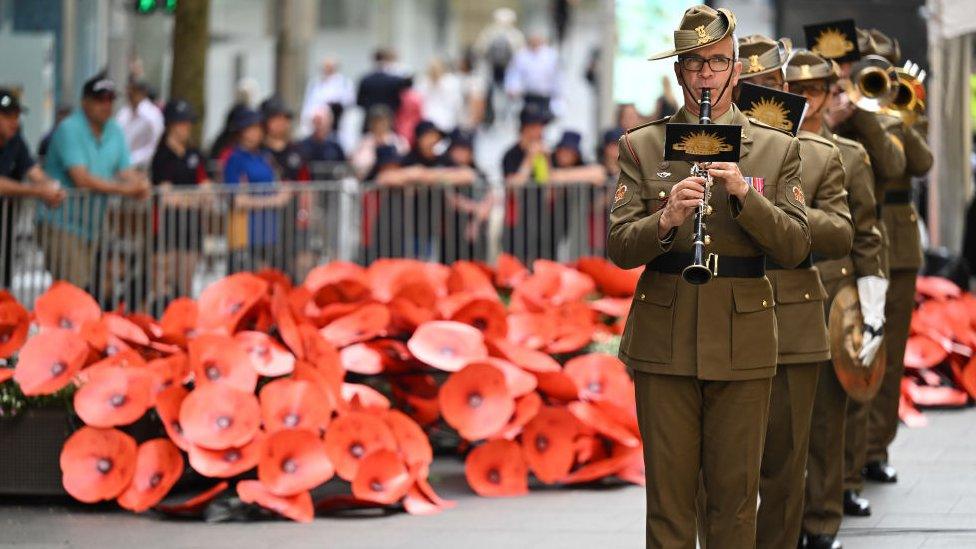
{"points": [[678, 51]]}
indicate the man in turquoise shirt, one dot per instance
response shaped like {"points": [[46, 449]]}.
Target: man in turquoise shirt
{"points": [[87, 151]]}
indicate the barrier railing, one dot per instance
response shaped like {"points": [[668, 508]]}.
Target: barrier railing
{"points": [[139, 254]]}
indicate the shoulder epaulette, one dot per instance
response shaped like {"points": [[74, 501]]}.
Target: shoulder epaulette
{"points": [[807, 136], [761, 124], [845, 142]]}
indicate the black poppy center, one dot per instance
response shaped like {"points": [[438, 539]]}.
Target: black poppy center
{"points": [[595, 386], [291, 419], [155, 479], [117, 400], [376, 486], [212, 371], [224, 422], [542, 443], [289, 466], [232, 455], [475, 400], [235, 307], [58, 368], [494, 476], [104, 465], [480, 323], [66, 323], [357, 450]]}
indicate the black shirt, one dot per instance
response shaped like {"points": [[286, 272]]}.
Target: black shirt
{"points": [[15, 158], [167, 166], [327, 150], [513, 159], [414, 158], [288, 163]]}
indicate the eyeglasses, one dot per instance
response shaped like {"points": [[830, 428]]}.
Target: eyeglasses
{"points": [[693, 63], [808, 89]]}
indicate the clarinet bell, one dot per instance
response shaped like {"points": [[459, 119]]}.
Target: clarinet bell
{"points": [[696, 274]]}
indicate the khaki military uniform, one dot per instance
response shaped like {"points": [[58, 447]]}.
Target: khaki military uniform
{"points": [[823, 509], [887, 157], [904, 261], [702, 356], [803, 344]]}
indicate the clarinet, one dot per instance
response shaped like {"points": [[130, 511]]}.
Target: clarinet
{"points": [[699, 272]]}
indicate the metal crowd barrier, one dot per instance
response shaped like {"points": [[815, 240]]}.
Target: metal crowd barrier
{"points": [[139, 254]]}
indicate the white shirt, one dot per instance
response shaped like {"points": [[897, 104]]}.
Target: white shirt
{"points": [[443, 101], [142, 127], [335, 88], [534, 71]]}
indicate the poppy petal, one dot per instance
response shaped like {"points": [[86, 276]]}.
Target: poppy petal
{"points": [[228, 462], [14, 323], [179, 320], [268, 357], [600, 376], [195, 503], [365, 323], [294, 461], [602, 468], [364, 396], [48, 361], [447, 345], [66, 306], [168, 403], [597, 419], [523, 357], [294, 404], [497, 469], [558, 385], [411, 440], [97, 464], [351, 437], [216, 358], [526, 408], [476, 401], [225, 303], [216, 416], [360, 358], [382, 478], [114, 396], [297, 507], [923, 352], [159, 464], [548, 443]]}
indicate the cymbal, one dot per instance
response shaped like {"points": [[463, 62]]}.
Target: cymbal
{"points": [[845, 326]]}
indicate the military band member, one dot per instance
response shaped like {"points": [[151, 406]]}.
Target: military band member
{"points": [[887, 157], [816, 78], [904, 261], [799, 296], [702, 356]]}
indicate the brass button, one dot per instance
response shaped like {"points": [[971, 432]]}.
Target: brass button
{"points": [[643, 296], [707, 240], [765, 303], [662, 194], [806, 296], [843, 270]]}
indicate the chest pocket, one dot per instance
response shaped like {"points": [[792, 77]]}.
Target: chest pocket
{"points": [[655, 193]]}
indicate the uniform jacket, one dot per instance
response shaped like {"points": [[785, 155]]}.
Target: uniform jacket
{"points": [[725, 329], [901, 218], [799, 293], [866, 254]]}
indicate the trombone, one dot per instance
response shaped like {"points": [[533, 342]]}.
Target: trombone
{"points": [[909, 101], [873, 85]]}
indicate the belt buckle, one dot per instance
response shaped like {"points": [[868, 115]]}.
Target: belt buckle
{"points": [[712, 263]]}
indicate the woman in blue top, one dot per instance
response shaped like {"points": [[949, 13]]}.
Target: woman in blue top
{"points": [[246, 166]]}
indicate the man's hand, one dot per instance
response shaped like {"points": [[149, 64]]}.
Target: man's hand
{"points": [[839, 110], [728, 175], [138, 189], [685, 196], [51, 193], [872, 292]]}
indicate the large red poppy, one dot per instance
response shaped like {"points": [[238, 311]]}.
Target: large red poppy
{"points": [[548, 443], [179, 320], [228, 462], [225, 303], [48, 361], [923, 352], [525, 358], [297, 507], [294, 404], [382, 478], [168, 371], [510, 272], [114, 396], [97, 464], [65, 305], [406, 315], [216, 358], [14, 323], [411, 440], [216, 416], [603, 423], [558, 385], [447, 345], [365, 323], [293, 461], [268, 357], [532, 330], [337, 282], [468, 277], [476, 401], [485, 314], [361, 358], [600, 376], [497, 469], [518, 381], [159, 464], [354, 435]]}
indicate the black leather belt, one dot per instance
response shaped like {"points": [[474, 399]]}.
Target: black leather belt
{"points": [[898, 197], [805, 264], [725, 266]]}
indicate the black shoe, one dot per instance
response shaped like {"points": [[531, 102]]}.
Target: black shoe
{"points": [[822, 541], [855, 505], [879, 471]]}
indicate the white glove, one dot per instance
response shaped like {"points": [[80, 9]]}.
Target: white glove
{"points": [[871, 291]]}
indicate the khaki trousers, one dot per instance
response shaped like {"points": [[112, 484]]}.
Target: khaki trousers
{"points": [[781, 481], [883, 411], [823, 506], [701, 431]]}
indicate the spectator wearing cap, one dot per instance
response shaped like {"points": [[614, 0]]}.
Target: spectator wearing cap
{"points": [[88, 151], [16, 167], [568, 165], [178, 224], [286, 156], [527, 160], [141, 122], [321, 145], [426, 164], [380, 122], [381, 86], [248, 167]]}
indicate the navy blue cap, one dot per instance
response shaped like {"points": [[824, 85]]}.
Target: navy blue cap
{"points": [[612, 136], [245, 118], [99, 85], [9, 102], [462, 138], [425, 126], [570, 140], [274, 106], [387, 154], [533, 114], [178, 110]]}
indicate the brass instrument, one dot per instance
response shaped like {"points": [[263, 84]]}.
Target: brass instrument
{"points": [[873, 83], [699, 272], [909, 100]]}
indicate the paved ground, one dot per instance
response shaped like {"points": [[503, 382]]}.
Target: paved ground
{"points": [[934, 505]]}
